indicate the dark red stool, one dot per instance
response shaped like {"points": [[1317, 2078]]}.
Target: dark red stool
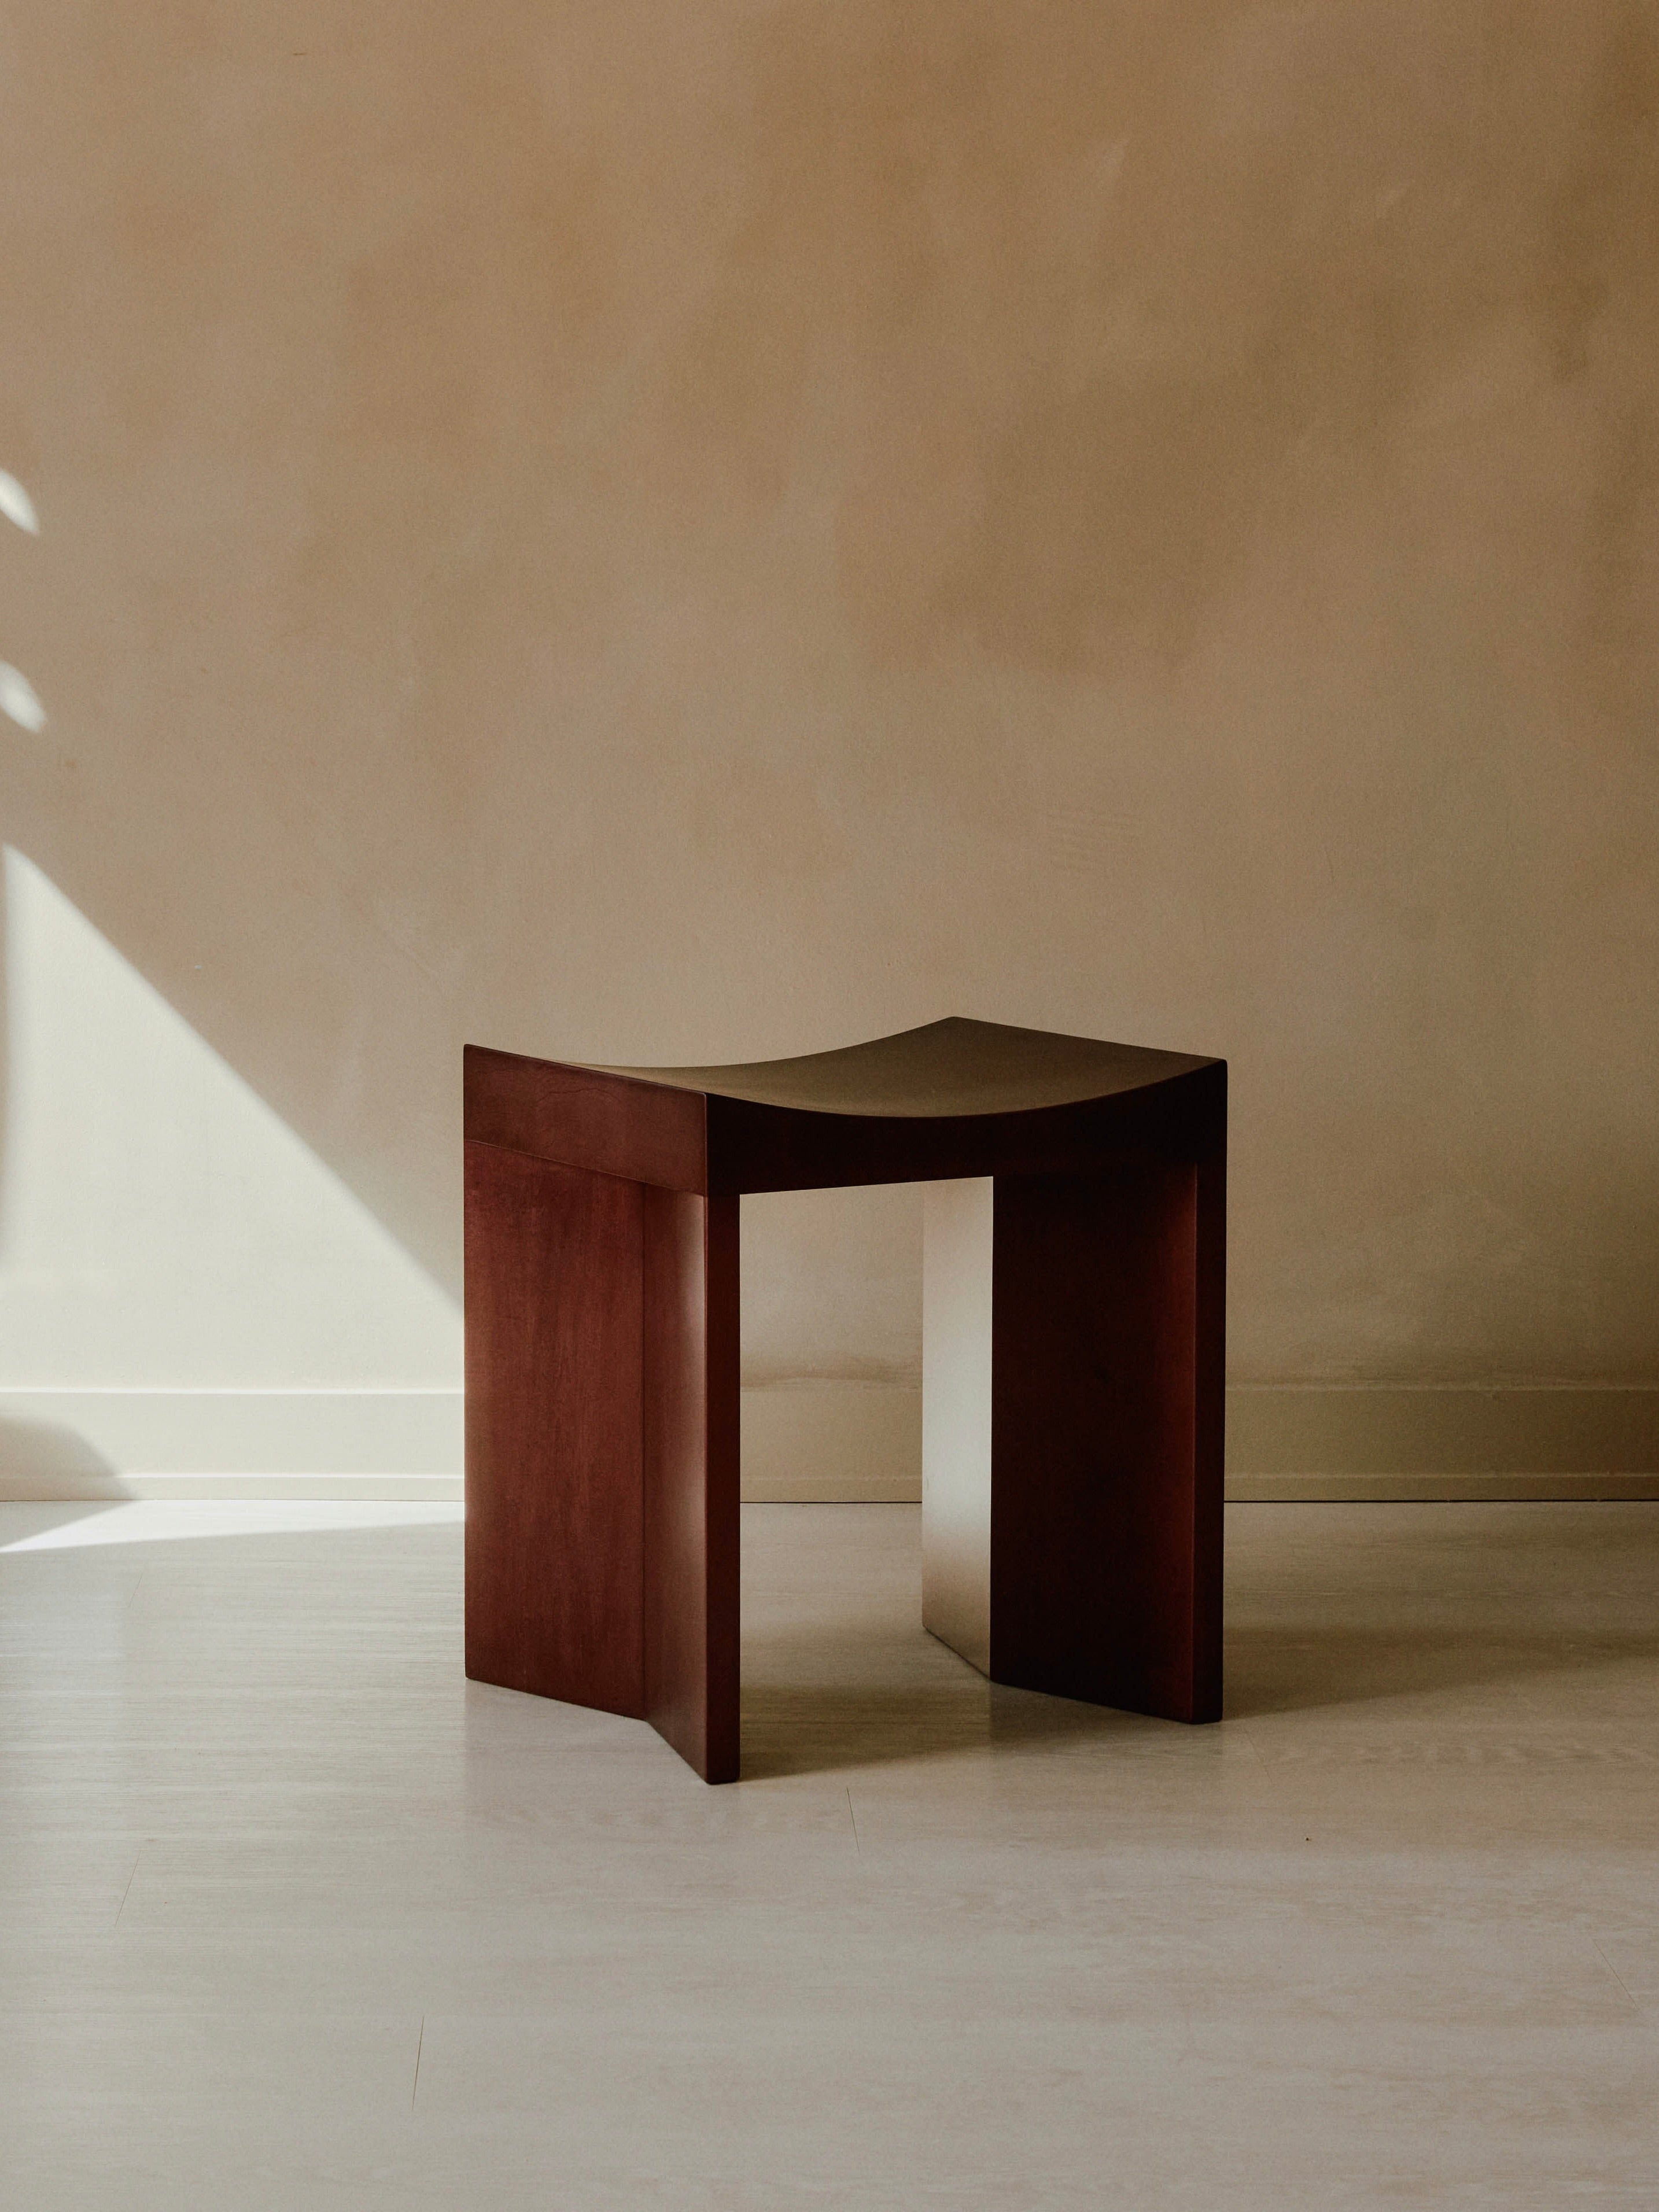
{"points": [[1073, 1356]]}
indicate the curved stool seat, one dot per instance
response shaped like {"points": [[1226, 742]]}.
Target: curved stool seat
{"points": [[1072, 1380]]}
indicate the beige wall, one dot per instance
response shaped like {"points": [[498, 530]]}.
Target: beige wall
{"points": [[684, 531]]}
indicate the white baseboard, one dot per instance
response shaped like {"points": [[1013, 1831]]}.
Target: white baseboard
{"points": [[828, 1440], [431, 1489], [801, 1441], [851, 1440], [230, 1443], [810, 1442], [1445, 1430], [1427, 1489], [1404, 1442]]}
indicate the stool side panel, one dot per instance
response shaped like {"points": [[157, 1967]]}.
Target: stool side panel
{"points": [[691, 1421], [759, 1148], [1210, 1406], [609, 1124], [1106, 1537], [554, 1477]]}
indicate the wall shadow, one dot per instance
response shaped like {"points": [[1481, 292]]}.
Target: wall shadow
{"points": [[47, 1461]]}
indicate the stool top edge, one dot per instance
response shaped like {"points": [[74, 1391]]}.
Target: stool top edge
{"points": [[957, 1067]]}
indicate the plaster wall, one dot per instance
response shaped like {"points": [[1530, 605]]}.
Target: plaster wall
{"points": [[661, 532]]}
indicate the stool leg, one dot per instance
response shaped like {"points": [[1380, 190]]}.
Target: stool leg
{"points": [[691, 1477], [1106, 1503], [555, 1494], [602, 1477]]}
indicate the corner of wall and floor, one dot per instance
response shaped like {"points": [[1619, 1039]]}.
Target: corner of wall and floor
{"points": [[817, 1439]]}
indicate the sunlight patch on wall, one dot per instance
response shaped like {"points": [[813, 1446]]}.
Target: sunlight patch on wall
{"points": [[16, 505], [20, 700], [18, 696], [161, 1228]]}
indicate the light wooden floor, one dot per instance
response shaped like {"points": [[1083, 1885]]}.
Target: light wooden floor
{"points": [[293, 1917]]}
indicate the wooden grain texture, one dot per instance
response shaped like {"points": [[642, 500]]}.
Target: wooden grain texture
{"points": [[691, 1477], [554, 1474], [643, 1132], [1105, 1498]]}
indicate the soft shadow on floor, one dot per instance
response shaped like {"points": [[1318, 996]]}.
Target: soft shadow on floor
{"points": [[808, 1729], [1330, 1607], [1269, 1672], [1352, 1605]]}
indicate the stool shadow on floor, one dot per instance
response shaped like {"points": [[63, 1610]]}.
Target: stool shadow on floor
{"points": [[1273, 1671], [811, 1728], [1360, 1606], [813, 1725]]}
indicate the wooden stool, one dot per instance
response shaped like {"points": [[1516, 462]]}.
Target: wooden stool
{"points": [[1073, 1338]]}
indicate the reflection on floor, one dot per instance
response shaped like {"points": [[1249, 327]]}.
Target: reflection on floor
{"points": [[292, 1919]]}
